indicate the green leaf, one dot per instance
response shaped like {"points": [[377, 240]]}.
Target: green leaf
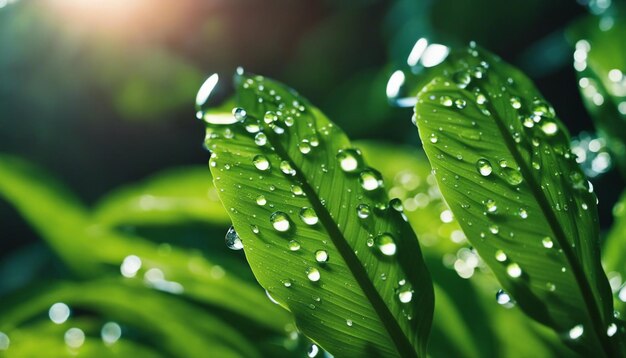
{"points": [[174, 196], [503, 164], [600, 63], [62, 222], [467, 322], [279, 175], [614, 254], [188, 337]]}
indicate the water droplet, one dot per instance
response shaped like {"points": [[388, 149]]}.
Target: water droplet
{"points": [[313, 351], [321, 256], [484, 167], [370, 179], [239, 113], [547, 242], [523, 213], [500, 256], [286, 168], [433, 138], [516, 103], [280, 221], [386, 244], [304, 146], [349, 322], [460, 103], [446, 101], [260, 200], [363, 211], [549, 128], [349, 160], [251, 125], [233, 241], [308, 216], [260, 139], [494, 229], [270, 117], [396, 204], [130, 266], [611, 330], [576, 332], [261, 162], [491, 206], [462, 78], [287, 283], [254, 228], [297, 190], [514, 270], [294, 245], [405, 295], [503, 298], [313, 274]]}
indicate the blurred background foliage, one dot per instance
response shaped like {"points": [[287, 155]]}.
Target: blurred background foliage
{"points": [[120, 251]]}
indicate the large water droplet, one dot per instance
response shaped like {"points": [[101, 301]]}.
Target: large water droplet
{"points": [[363, 211], [59, 313], [304, 146], [484, 167], [308, 216], [549, 128], [260, 200], [233, 241], [349, 160], [260, 139], [239, 113], [503, 298], [286, 168], [500, 256], [547, 242], [294, 245], [491, 206], [405, 295], [321, 256], [280, 221], [385, 244], [576, 331], [514, 270], [370, 179], [261, 162], [611, 330], [313, 274]]}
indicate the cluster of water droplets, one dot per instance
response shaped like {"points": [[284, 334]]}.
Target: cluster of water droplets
{"points": [[153, 277], [591, 154]]}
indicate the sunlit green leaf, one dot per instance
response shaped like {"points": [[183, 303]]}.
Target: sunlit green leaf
{"points": [[91, 249], [600, 63], [179, 195], [187, 337], [503, 164], [354, 279], [614, 255]]}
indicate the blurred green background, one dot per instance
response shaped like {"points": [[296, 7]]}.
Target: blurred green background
{"points": [[100, 94]]}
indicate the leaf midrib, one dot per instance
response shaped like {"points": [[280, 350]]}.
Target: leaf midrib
{"points": [[544, 205], [402, 343]]}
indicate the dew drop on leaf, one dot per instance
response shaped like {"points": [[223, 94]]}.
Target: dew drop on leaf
{"points": [[484, 167], [270, 117], [261, 162], [576, 331], [239, 113], [349, 160], [512, 176], [611, 330], [515, 102], [321, 256], [304, 146], [260, 200], [297, 190], [260, 139], [500, 256], [385, 244], [280, 221], [370, 179], [349, 322], [233, 241], [503, 298], [445, 101], [405, 295], [308, 216], [491, 206], [294, 245], [433, 138], [363, 211], [514, 270], [313, 274], [549, 128], [547, 242]]}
